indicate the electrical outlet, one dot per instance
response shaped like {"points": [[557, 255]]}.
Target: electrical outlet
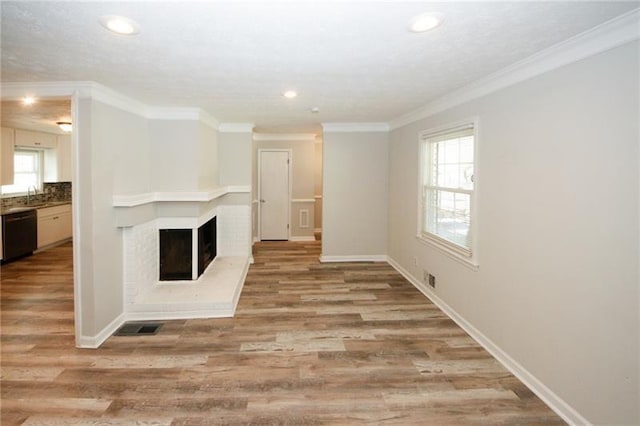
{"points": [[415, 261], [432, 281]]}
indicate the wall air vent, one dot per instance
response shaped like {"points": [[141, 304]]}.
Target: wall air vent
{"points": [[304, 218]]}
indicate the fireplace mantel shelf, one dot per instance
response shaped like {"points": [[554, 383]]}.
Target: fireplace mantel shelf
{"points": [[134, 200]]}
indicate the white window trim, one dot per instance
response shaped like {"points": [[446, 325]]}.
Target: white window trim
{"points": [[467, 257]]}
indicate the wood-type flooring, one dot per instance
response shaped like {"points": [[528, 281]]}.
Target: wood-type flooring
{"points": [[311, 343]]}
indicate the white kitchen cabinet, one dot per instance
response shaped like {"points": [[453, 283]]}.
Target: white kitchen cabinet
{"points": [[54, 224], [6, 156], [33, 139], [57, 162], [64, 158]]}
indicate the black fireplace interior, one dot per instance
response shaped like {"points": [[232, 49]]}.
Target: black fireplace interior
{"points": [[207, 249], [176, 255]]}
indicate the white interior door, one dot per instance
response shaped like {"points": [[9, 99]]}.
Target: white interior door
{"points": [[274, 195]]}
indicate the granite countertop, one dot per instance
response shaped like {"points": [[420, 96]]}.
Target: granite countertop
{"points": [[18, 209]]}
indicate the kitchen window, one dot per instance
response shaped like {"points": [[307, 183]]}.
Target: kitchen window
{"points": [[447, 190], [27, 172]]}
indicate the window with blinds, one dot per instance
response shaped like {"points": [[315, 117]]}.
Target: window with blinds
{"points": [[448, 185], [27, 166]]}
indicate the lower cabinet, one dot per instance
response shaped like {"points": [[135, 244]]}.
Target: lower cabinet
{"points": [[54, 224]]}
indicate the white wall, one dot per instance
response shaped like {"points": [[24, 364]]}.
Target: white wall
{"points": [[355, 186], [234, 158], [173, 149], [558, 197], [235, 163], [113, 159], [208, 171], [184, 155]]}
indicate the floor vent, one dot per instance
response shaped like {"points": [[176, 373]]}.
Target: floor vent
{"points": [[138, 329]]}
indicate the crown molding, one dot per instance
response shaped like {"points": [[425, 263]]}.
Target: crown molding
{"points": [[310, 137], [197, 114], [608, 35], [209, 120], [354, 127], [115, 99], [106, 95], [46, 89], [236, 127]]}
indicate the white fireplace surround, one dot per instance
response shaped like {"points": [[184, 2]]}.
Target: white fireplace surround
{"points": [[214, 294]]}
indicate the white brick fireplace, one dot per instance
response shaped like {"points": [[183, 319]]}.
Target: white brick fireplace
{"points": [[216, 292]]}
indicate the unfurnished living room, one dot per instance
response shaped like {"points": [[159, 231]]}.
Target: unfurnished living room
{"points": [[320, 212]]}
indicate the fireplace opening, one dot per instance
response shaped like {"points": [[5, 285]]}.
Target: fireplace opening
{"points": [[207, 248], [176, 257]]}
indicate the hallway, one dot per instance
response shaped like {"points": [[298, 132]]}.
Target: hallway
{"points": [[311, 343]]}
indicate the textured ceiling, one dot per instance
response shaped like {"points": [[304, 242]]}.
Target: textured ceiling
{"points": [[42, 115], [355, 61]]}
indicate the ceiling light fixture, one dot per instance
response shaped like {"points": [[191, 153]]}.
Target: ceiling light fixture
{"points": [[290, 94], [28, 100], [120, 25], [65, 126], [426, 22]]}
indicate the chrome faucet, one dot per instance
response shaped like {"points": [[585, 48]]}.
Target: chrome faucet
{"points": [[35, 192]]}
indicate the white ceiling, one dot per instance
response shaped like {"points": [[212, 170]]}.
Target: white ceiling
{"points": [[41, 116], [356, 61]]}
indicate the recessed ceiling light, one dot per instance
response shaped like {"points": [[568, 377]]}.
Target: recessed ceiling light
{"points": [[315, 110], [290, 94], [120, 25], [65, 126], [28, 100], [426, 22]]}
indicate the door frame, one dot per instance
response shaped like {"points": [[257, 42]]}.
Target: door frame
{"points": [[289, 190]]}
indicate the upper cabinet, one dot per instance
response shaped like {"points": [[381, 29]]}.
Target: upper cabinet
{"points": [[57, 162], [64, 158], [33, 139], [6, 156]]}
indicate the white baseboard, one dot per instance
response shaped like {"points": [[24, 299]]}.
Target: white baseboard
{"points": [[557, 404], [361, 258], [308, 238], [93, 342], [163, 316]]}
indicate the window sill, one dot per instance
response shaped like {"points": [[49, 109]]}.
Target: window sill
{"points": [[13, 194], [463, 260]]}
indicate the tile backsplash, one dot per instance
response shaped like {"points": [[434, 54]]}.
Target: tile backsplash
{"points": [[59, 191]]}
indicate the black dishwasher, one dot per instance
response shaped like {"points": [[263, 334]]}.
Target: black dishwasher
{"points": [[19, 234]]}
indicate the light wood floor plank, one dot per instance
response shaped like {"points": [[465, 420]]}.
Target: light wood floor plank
{"points": [[311, 343]]}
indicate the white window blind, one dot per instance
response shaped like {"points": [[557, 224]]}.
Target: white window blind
{"points": [[27, 172], [448, 188]]}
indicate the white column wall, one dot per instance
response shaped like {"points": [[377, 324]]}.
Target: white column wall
{"points": [[112, 160], [355, 187]]}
